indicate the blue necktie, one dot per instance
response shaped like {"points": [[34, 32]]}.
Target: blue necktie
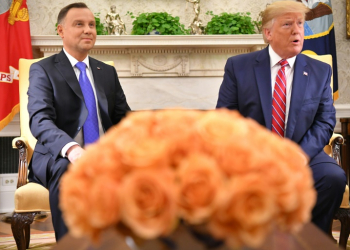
{"points": [[90, 127]]}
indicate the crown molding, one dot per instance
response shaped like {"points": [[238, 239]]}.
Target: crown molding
{"points": [[129, 41]]}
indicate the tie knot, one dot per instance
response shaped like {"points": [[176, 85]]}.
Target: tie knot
{"points": [[81, 66], [283, 62]]}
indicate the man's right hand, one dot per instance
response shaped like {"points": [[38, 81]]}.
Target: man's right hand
{"points": [[74, 153]]}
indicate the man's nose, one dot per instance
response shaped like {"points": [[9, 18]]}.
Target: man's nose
{"points": [[87, 29], [298, 28]]}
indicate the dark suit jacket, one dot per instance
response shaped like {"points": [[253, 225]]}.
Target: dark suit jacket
{"points": [[56, 106], [247, 88]]}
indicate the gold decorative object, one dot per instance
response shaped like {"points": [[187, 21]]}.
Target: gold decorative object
{"points": [[196, 26], [115, 25], [17, 14]]}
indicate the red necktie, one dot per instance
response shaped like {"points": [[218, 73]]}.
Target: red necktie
{"points": [[279, 101]]}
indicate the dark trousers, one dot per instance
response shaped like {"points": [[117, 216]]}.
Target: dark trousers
{"points": [[330, 182], [51, 180], [56, 171]]}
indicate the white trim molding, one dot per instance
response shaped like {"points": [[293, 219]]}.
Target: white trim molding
{"points": [[153, 41]]}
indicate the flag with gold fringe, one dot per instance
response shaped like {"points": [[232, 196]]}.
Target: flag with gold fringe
{"points": [[319, 34], [15, 43]]}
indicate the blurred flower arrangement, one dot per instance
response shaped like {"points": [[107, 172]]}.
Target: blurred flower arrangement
{"points": [[215, 169]]}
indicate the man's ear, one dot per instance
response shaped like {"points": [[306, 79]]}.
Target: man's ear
{"points": [[267, 33], [60, 30]]}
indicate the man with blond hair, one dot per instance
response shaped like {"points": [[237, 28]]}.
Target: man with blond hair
{"points": [[290, 94]]}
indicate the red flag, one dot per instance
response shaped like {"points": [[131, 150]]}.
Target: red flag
{"points": [[15, 43]]}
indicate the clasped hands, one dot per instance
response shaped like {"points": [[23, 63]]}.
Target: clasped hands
{"points": [[74, 153]]}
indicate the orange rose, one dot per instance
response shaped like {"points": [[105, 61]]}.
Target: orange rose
{"points": [[199, 184], [145, 152], [74, 205], [237, 158], [136, 144], [245, 213], [100, 159], [104, 196], [149, 203], [285, 170], [176, 127], [84, 205], [293, 219], [221, 126], [224, 135]]}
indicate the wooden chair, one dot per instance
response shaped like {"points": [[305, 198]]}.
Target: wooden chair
{"points": [[333, 150], [30, 198]]}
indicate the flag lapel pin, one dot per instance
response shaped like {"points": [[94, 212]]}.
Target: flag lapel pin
{"points": [[305, 73], [98, 68]]}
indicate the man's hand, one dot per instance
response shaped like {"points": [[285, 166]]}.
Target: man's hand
{"points": [[74, 153]]}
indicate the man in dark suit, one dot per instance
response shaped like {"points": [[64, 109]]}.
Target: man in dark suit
{"points": [[73, 99], [290, 94]]}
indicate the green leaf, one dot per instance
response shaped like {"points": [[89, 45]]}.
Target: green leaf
{"points": [[230, 23], [162, 21]]}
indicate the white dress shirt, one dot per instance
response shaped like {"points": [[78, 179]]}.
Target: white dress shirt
{"points": [[289, 72], [79, 139]]}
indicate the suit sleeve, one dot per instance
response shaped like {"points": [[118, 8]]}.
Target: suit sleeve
{"points": [[42, 114], [228, 89], [321, 130], [121, 106]]}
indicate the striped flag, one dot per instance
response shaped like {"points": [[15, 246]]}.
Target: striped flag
{"points": [[319, 34], [15, 43]]}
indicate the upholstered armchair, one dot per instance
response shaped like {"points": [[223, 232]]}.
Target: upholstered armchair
{"points": [[30, 198], [333, 150]]}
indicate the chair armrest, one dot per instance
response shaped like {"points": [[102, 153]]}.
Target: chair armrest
{"points": [[21, 144], [336, 137], [335, 142]]}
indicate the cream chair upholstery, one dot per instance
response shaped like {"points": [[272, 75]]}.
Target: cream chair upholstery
{"points": [[30, 198], [333, 150]]}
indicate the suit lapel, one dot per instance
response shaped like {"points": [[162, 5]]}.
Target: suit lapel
{"points": [[263, 80], [300, 82], [63, 65], [99, 76]]}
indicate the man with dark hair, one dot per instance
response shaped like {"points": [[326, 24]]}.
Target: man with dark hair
{"points": [[290, 94], [73, 99]]}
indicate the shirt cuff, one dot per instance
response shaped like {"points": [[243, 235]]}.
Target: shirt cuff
{"points": [[66, 147]]}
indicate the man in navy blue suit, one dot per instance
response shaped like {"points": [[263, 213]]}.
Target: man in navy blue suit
{"points": [[59, 107], [308, 117]]}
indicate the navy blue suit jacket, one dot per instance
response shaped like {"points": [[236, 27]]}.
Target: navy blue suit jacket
{"points": [[57, 110], [246, 87]]}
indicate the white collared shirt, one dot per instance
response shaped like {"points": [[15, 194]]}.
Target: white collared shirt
{"points": [[289, 72], [79, 139]]}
